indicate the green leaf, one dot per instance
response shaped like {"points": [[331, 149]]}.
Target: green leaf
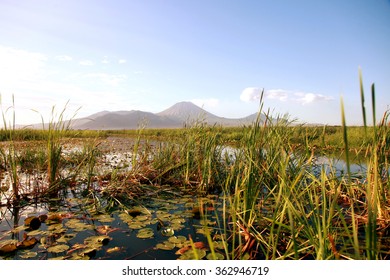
{"points": [[165, 246], [58, 248], [145, 233]]}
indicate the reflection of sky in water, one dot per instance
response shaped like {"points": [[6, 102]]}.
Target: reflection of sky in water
{"points": [[339, 166]]}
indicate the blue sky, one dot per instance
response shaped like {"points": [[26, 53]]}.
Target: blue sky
{"points": [[147, 55]]}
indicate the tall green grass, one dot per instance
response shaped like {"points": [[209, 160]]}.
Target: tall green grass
{"points": [[9, 154]]}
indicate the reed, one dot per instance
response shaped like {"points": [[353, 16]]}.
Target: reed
{"points": [[9, 154], [55, 130]]}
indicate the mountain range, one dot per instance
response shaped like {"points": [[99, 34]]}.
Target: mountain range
{"points": [[176, 116]]}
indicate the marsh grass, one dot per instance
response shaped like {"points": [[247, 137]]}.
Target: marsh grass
{"points": [[56, 129], [9, 154], [276, 201]]}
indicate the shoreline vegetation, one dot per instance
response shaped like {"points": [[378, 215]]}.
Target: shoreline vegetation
{"points": [[271, 205], [324, 139]]}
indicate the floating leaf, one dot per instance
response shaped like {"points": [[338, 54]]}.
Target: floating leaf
{"points": [[8, 247], [177, 239], [141, 218], [90, 252], [105, 229], [165, 246], [36, 232], [74, 223], [145, 233], [125, 217], [79, 257], [105, 218], [28, 255], [55, 227], [113, 250], [54, 218], [193, 254], [177, 226], [216, 256], [66, 237], [57, 258], [136, 225], [163, 216], [178, 220], [196, 245], [58, 248], [97, 240], [26, 242]]}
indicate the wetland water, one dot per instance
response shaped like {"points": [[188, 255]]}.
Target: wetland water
{"points": [[156, 224]]}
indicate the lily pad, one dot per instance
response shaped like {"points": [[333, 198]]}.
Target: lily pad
{"points": [[216, 256], [145, 233], [166, 245], [27, 242], [177, 226], [141, 218], [105, 229], [177, 239], [56, 228], [105, 218], [66, 237], [36, 232], [113, 250], [90, 252], [8, 247], [218, 245], [125, 217], [58, 248], [97, 240], [192, 254], [28, 255], [136, 225]]}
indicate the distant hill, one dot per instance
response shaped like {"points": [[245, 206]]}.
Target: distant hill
{"points": [[176, 116]]}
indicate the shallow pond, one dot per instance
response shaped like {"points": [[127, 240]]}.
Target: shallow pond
{"points": [[156, 230]]}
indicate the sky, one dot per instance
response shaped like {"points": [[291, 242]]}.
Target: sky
{"points": [[94, 55]]}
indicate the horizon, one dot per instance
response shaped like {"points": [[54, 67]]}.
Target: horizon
{"points": [[75, 118], [218, 55]]}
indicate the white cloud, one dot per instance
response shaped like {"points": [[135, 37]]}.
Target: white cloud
{"points": [[253, 94], [307, 98], [86, 62], [279, 94], [122, 61], [209, 102], [64, 58], [250, 94]]}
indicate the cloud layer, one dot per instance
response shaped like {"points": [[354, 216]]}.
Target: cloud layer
{"points": [[253, 94]]}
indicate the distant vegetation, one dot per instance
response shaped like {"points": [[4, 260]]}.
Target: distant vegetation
{"points": [[324, 139]]}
